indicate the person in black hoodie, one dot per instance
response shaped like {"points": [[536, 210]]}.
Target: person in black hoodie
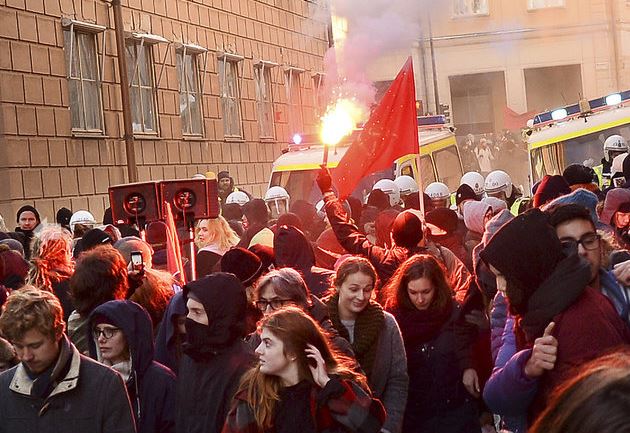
{"points": [[27, 219], [122, 338], [293, 250], [215, 354]]}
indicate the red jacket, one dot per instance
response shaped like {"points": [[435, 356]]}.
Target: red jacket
{"points": [[340, 406]]}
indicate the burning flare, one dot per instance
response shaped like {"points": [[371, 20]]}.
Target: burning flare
{"points": [[340, 120]]}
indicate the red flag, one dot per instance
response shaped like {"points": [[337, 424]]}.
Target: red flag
{"points": [[174, 254], [391, 132]]}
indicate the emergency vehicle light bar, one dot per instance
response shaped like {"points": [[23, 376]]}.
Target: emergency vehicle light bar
{"points": [[574, 109], [431, 120]]}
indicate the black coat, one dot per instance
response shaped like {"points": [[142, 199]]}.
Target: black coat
{"points": [[437, 400], [151, 387], [92, 401]]}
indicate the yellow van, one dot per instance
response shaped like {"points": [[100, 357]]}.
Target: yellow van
{"points": [[296, 169]]}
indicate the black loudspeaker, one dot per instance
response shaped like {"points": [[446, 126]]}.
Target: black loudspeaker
{"points": [[191, 199], [135, 203]]}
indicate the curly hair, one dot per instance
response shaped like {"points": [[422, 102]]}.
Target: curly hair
{"points": [[100, 276], [52, 257], [31, 308], [154, 294]]}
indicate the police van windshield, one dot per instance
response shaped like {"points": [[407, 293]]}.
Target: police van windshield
{"points": [[587, 150], [301, 184]]}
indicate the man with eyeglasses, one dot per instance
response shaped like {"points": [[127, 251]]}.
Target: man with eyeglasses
{"points": [[54, 387]]}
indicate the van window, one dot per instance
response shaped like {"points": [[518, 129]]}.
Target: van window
{"points": [[448, 167], [426, 170]]}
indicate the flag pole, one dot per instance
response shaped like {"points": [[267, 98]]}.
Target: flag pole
{"points": [[420, 185]]}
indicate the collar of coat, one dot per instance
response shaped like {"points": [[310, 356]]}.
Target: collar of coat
{"points": [[23, 384]]}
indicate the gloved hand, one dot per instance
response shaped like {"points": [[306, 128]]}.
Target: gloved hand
{"points": [[324, 180]]}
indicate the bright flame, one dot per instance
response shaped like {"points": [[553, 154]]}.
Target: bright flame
{"points": [[340, 120]]}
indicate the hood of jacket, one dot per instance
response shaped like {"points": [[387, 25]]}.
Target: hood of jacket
{"points": [[136, 325], [474, 214], [224, 299], [292, 249]]}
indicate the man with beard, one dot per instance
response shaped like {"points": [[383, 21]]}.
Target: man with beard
{"points": [[616, 212], [215, 355]]}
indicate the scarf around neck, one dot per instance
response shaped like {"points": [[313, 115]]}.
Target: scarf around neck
{"points": [[421, 326], [367, 329]]}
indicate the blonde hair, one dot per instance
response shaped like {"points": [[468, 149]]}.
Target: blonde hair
{"points": [[219, 233], [52, 257], [30, 308]]}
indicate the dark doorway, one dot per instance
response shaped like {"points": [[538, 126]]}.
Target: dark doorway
{"points": [[552, 87]]}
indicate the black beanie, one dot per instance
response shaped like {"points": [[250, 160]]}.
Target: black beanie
{"points": [[63, 216], [94, 238], [407, 229], [526, 250], [464, 192], [27, 208], [443, 218], [256, 211], [576, 174], [243, 263]]}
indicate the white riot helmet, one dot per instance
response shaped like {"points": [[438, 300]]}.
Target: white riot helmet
{"points": [[238, 197], [406, 184], [617, 163], [475, 181], [498, 182], [439, 193], [390, 188], [614, 145], [277, 199], [82, 217]]}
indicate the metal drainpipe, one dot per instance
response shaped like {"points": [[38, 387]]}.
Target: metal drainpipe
{"points": [[132, 170], [434, 69], [612, 13]]}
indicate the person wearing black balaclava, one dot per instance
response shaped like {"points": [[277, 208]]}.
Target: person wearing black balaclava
{"points": [[215, 354], [27, 219]]}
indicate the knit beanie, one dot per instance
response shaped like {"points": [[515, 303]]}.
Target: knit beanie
{"points": [[407, 229], [223, 174], [156, 235], [27, 208], [265, 253], [243, 263], [474, 215], [526, 250], [63, 217], [256, 211], [550, 187], [464, 192], [580, 196], [576, 174], [614, 199], [13, 269]]}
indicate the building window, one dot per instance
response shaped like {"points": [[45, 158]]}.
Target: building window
{"points": [[264, 99], [84, 82], [463, 8], [541, 4], [294, 100], [189, 92], [140, 70], [230, 96], [318, 94]]}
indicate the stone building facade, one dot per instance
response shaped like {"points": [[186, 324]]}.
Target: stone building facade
{"points": [[215, 85]]}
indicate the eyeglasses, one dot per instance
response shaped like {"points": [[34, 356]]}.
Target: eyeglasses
{"points": [[107, 333], [275, 303], [589, 241]]}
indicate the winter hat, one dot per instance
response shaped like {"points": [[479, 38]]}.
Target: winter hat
{"points": [[495, 203], [614, 199], [14, 245], [63, 217], [289, 219], [407, 229], [522, 256], [13, 269], [223, 175], [265, 254], [243, 263], [256, 211], [580, 196], [474, 214], [92, 239], [379, 199], [27, 208], [576, 174], [550, 187], [156, 235], [464, 192], [231, 211], [445, 219]]}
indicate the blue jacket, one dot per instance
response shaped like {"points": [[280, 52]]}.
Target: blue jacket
{"points": [[611, 288], [166, 343], [151, 386]]}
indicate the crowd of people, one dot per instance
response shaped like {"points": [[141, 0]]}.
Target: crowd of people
{"points": [[415, 312]]}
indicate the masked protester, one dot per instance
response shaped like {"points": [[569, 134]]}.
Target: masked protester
{"points": [[215, 355]]}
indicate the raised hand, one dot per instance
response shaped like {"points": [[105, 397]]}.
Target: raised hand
{"points": [[317, 365], [324, 179], [544, 354]]}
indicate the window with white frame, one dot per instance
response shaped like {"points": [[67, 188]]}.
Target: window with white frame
{"points": [[142, 87], [264, 98], [229, 86], [294, 100], [189, 91], [463, 8], [541, 4], [84, 81]]}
